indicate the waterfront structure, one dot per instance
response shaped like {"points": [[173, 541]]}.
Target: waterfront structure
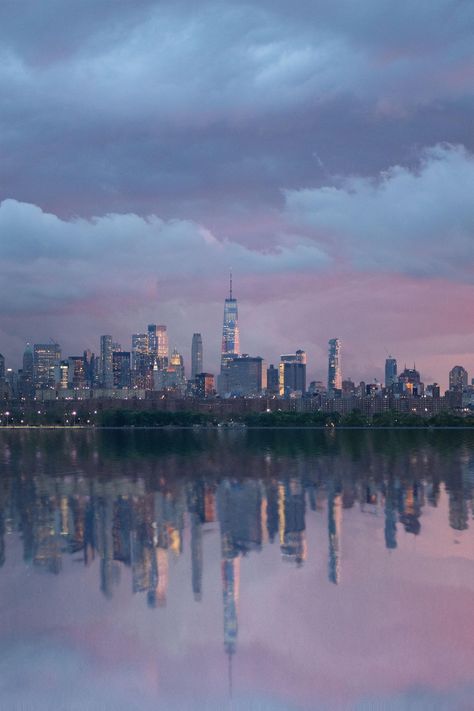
{"points": [[46, 357], [106, 375], [390, 371], [334, 367], [196, 355], [121, 369], [230, 329], [458, 378], [292, 373]]}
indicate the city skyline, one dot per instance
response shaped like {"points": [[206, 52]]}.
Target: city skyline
{"points": [[156, 342], [327, 156]]}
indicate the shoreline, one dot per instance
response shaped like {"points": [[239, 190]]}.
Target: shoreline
{"points": [[203, 428]]}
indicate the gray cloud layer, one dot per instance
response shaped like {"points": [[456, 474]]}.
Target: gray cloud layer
{"points": [[146, 147]]}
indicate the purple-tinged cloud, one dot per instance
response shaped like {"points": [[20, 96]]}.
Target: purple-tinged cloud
{"points": [[418, 222]]}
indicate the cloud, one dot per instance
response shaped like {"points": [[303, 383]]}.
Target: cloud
{"points": [[121, 257], [418, 222]]}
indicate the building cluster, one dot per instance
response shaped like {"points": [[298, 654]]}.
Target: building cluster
{"points": [[148, 368]]}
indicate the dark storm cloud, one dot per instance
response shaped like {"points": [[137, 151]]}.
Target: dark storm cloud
{"points": [[146, 143], [151, 107]]}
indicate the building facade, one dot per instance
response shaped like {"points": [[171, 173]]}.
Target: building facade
{"points": [[334, 366], [196, 355], [46, 358]]}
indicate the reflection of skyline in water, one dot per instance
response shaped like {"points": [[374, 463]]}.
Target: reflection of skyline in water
{"points": [[129, 504]]}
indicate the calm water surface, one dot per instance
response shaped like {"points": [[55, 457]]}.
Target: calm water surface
{"points": [[266, 570]]}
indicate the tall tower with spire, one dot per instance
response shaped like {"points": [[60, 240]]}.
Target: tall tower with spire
{"points": [[230, 329]]}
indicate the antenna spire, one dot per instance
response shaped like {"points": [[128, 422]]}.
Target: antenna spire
{"points": [[230, 285]]}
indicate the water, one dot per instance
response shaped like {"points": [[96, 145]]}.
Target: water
{"points": [[266, 570]]}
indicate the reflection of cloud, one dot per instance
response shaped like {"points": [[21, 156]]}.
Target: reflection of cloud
{"points": [[421, 223]]}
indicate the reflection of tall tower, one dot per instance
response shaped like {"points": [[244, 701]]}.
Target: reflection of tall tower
{"points": [[230, 329], [196, 555], [390, 516], [292, 528], [230, 589], [334, 531]]}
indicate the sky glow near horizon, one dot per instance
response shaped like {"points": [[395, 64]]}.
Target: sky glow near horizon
{"points": [[325, 153]]}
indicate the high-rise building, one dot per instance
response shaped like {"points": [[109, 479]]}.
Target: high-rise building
{"points": [[46, 357], [409, 382], [2, 367], [334, 366], [152, 339], [272, 380], [390, 371], [205, 385], [230, 329], [292, 373], [196, 355], [245, 375], [139, 346], [106, 368], [121, 369], [458, 378], [62, 374], [26, 386], [163, 348], [77, 372]]}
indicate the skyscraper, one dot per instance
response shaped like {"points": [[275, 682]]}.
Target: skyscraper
{"points": [[334, 366], [139, 346], [46, 357], [162, 346], [2, 367], [121, 369], [106, 368], [292, 373], [458, 378], [390, 371], [196, 355], [230, 329]]}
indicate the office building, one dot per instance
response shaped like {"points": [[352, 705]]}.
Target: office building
{"points": [[139, 347], [196, 355], [334, 367], [162, 347], [292, 373], [121, 369], [409, 382], [46, 357], [245, 375], [458, 378], [62, 375], [204, 385], [105, 366], [77, 372], [272, 380], [390, 372]]}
